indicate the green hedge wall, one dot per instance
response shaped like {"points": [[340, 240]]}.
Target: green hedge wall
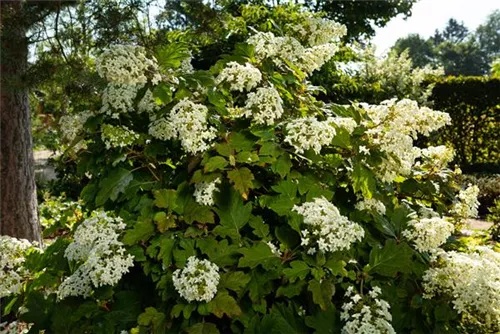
{"points": [[474, 106]]}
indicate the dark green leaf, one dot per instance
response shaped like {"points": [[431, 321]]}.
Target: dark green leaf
{"points": [[391, 259], [112, 185]]}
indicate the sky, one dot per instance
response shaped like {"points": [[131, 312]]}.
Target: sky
{"points": [[429, 15]]}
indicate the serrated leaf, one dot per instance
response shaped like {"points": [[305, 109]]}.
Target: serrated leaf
{"points": [[283, 165], [112, 185], [235, 280], [224, 304], [258, 254], [141, 231], [171, 54], [203, 328], [291, 290], [219, 252], [166, 250], [297, 270], [163, 92], [240, 141], [247, 157], [363, 180], [260, 229], [242, 180], [322, 293], [215, 163], [261, 283], [324, 322], [337, 267], [232, 213], [269, 149], [165, 198], [164, 221], [193, 212], [152, 317], [391, 259]]}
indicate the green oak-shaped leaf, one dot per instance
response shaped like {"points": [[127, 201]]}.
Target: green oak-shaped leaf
{"points": [[223, 303], [258, 254], [391, 259], [203, 328], [112, 185], [242, 180]]}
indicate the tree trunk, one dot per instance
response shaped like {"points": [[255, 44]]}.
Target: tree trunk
{"points": [[18, 207]]}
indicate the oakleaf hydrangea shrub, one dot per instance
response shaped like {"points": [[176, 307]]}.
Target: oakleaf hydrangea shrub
{"points": [[233, 201]]}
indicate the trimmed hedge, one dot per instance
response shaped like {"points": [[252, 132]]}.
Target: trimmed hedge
{"points": [[474, 106]]}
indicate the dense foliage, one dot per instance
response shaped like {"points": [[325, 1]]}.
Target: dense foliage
{"points": [[473, 104], [232, 200]]}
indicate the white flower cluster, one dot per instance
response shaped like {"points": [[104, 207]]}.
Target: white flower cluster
{"points": [[197, 281], [117, 99], [14, 327], [127, 65], [366, 314], [162, 129], [393, 127], [240, 77], [264, 106], [315, 57], [12, 271], [274, 249], [127, 68], [186, 66], [371, 204], [204, 192], [117, 136], [317, 31], [467, 203], [187, 122], [472, 280], [428, 234], [309, 133], [346, 123], [438, 156], [72, 125], [326, 229], [397, 75], [281, 49], [102, 257], [148, 103], [276, 48]]}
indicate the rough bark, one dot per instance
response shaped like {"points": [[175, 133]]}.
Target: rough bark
{"points": [[18, 203]]}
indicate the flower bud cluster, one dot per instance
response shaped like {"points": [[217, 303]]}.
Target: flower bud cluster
{"points": [[326, 230], [197, 281], [72, 125], [117, 136], [101, 256], [368, 314]]}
